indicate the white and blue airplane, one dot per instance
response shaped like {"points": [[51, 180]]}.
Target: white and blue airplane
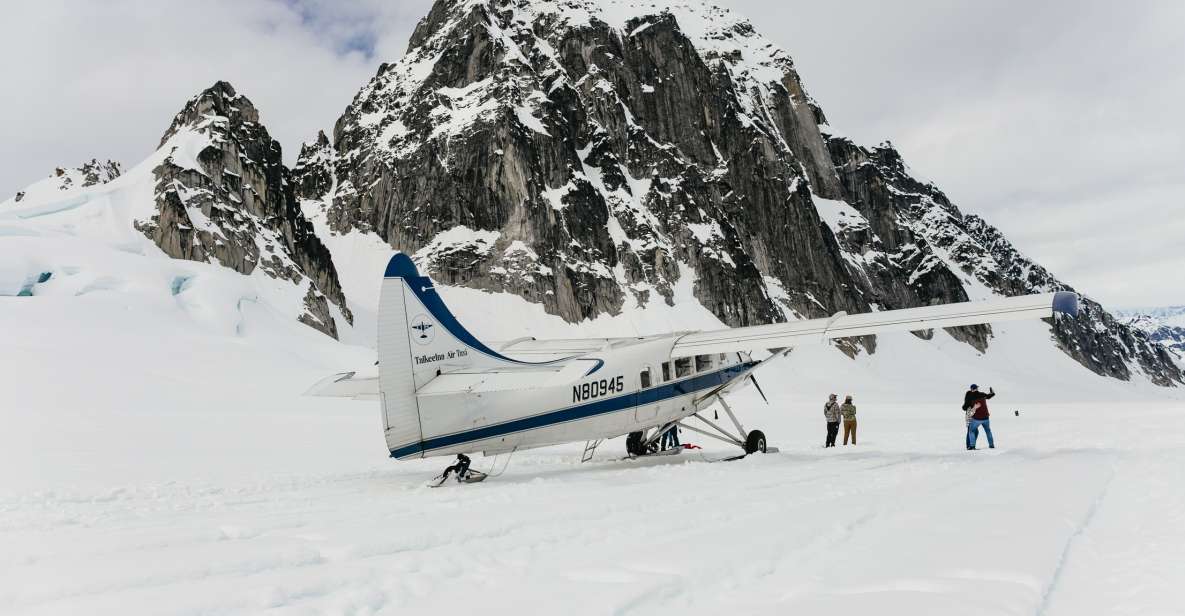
{"points": [[444, 392]]}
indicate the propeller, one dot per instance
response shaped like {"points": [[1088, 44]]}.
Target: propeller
{"points": [[758, 386]]}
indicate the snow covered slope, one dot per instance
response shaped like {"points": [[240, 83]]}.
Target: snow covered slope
{"points": [[157, 457], [63, 180], [180, 227]]}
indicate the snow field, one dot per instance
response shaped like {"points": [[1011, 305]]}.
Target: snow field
{"points": [[151, 466], [157, 457]]}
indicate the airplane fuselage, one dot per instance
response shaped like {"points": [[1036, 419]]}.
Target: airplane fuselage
{"points": [[628, 386]]}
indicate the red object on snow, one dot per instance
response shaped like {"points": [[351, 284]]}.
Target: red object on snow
{"points": [[690, 446]]}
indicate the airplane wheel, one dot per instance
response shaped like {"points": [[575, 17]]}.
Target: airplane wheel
{"points": [[755, 442], [633, 444]]}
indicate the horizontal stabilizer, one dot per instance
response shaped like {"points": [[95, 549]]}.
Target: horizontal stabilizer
{"points": [[346, 385]]}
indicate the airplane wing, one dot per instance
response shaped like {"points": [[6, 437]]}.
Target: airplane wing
{"points": [[843, 325]]}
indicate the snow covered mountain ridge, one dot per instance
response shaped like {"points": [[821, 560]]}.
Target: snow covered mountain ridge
{"points": [[1164, 325], [87, 174], [594, 158], [1173, 315]]}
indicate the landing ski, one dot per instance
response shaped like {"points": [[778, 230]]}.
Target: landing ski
{"points": [[673, 451], [470, 477]]}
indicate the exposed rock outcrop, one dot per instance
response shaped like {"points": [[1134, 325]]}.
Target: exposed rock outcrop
{"points": [[877, 183], [1163, 326], [90, 173], [224, 196], [588, 156]]}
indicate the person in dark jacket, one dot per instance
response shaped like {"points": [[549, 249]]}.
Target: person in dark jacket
{"points": [[976, 409], [831, 414]]}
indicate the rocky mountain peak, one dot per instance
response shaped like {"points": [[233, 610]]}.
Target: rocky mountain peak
{"points": [[224, 196], [218, 103], [597, 155], [313, 174]]}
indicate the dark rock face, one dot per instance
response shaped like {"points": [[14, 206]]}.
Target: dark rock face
{"points": [[224, 196], [539, 149], [877, 183], [1167, 335], [601, 167], [88, 174]]}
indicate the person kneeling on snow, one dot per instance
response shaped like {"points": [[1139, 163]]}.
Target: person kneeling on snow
{"points": [[848, 410], [831, 414], [975, 403], [461, 468]]}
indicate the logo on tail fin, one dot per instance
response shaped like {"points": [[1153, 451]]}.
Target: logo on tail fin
{"points": [[423, 330]]}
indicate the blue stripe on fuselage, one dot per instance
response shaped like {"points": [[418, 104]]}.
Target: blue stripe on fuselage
{"points": [[583, 411]]}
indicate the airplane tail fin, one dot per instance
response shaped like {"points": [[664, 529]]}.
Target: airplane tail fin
{"points": [[419, 338]]}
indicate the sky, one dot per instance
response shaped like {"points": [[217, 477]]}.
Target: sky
{"points": [[1060, 122]]}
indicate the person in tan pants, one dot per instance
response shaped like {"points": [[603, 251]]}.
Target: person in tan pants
{"points": [[848, 410]]}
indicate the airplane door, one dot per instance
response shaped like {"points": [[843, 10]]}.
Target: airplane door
{"points": [[647, 405]]}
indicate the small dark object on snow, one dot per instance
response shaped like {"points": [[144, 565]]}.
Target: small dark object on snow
{"points": [[1017, 413]]}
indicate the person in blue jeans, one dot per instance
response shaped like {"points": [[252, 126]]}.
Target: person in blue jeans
{"points": [[670, 438], [978, 407]]}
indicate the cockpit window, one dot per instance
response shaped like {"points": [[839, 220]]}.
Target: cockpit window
{"points": [[682, 367], [666, 371], [703, 363]]}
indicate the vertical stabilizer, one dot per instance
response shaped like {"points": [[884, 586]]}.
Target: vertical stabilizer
{"points": [[419, 339]]}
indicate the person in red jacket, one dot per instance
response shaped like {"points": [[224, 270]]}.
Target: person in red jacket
{"points": [[975, 403]]}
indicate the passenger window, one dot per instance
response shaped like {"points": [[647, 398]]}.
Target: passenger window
{"points": [[722, 359], [666, 371], [682, 367], [703, 363], [644, 377]]}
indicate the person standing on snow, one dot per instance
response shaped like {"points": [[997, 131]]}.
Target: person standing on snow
{"points": [[670, 438], [976, 408], [848, 410], [831, 414]]}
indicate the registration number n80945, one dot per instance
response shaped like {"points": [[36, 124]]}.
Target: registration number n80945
{"points": [[597, 389]]}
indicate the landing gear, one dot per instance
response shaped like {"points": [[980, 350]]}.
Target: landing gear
{"points": [[751, 441], [755, 442], [636, 444]]}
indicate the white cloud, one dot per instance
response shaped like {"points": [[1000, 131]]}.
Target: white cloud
{"points": [[91, 79], [1060, 122]]}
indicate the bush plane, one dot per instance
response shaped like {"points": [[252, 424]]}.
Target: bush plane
{"points": [[443, 392]]}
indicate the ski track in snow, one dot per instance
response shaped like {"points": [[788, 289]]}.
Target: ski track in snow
{"points": [[1079, 529]]}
